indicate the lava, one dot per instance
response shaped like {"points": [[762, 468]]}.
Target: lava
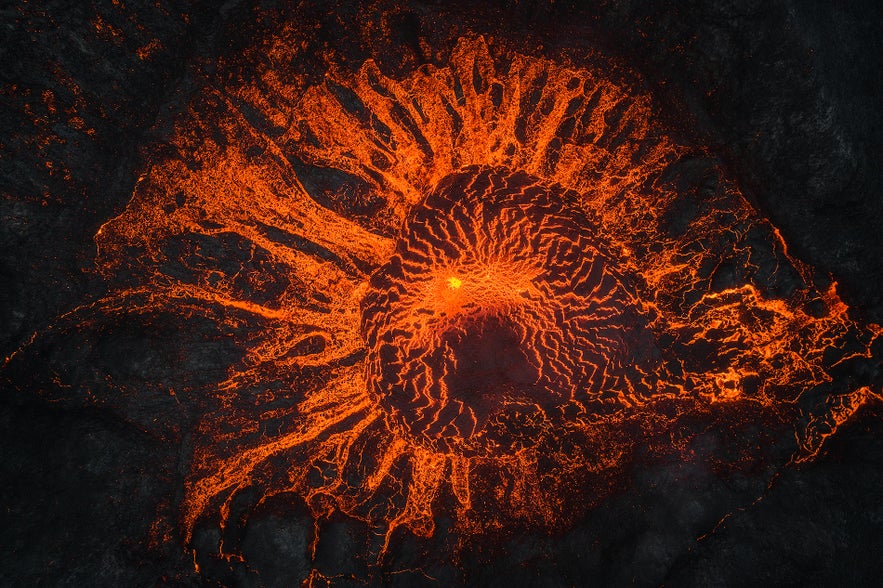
{"points": [[529, 334], [473, 292]]}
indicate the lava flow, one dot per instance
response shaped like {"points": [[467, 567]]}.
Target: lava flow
{"points": [[498, 320], [474, 292]]}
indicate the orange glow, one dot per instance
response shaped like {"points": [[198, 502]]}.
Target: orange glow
{"points": [[488, 293]]}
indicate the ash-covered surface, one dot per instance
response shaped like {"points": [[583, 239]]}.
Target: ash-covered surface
{"points": [[786, 93]]}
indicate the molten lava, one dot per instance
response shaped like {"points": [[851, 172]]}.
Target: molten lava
{"points": [[474, 292], [528, 336]]}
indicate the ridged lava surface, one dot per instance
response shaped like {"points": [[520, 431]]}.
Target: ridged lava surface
{"points": [[498, 318]]}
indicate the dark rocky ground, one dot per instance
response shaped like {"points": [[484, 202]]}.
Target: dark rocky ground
{"points": [[787, 92]]}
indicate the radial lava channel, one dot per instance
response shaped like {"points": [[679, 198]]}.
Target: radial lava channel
{"points": [[499, 316]]}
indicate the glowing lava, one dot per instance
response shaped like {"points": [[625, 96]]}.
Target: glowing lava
{"points": [[473, 292], [528, 339]]}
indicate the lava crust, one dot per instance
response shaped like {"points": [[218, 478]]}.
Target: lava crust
{"points": [[498, 315]]}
